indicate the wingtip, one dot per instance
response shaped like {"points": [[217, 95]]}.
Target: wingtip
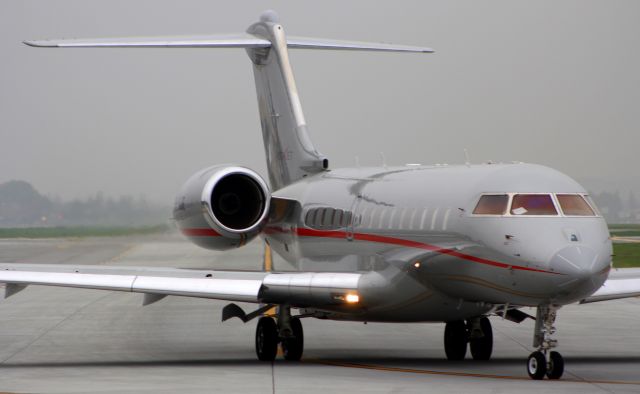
{"points": [[39, 44]]}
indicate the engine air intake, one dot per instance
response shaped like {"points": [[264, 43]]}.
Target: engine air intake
{"points": [[237, 201]]}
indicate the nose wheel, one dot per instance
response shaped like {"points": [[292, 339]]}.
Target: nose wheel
{"points": [[544, 361]]}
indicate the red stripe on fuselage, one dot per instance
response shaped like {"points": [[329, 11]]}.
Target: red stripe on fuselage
{"points": [[199, 232], [306, 232]]}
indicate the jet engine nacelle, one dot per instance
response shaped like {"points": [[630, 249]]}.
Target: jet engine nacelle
{"points": [[222, 207]]}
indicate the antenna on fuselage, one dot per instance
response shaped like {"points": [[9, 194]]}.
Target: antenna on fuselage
{"points": [[466, 158], [384, 160]]}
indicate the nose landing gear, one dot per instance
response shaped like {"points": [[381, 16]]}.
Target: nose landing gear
{"points": [[544, 361]]}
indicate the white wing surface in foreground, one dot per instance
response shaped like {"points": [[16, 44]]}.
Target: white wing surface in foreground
{"points": [[303, 289], [622, 283]]}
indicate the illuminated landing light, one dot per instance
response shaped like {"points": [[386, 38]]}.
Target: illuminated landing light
{"points": [[416, 264], [352, 298]]}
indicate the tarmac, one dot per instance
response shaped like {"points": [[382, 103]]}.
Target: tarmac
{"points": [[57, 340]]}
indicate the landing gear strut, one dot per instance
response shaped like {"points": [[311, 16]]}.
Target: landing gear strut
{"points": [[287, 331], [544, 361], [476, 332]]}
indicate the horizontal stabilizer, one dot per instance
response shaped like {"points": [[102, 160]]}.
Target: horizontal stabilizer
{"points": [[323, 43], [225, 41]]}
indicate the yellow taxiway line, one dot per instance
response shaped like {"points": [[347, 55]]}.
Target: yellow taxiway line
{"points": [[461, 374]]}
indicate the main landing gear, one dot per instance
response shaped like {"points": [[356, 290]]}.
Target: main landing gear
{"points": [[287, 332], [476, 332], [544, 361]]}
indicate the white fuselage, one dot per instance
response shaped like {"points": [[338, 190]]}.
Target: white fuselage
{"points": [[414, 230]]}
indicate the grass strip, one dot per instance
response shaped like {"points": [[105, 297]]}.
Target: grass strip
{"points": [[73, 232]]}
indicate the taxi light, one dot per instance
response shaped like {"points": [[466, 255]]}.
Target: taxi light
{"points": [[352, 298]]}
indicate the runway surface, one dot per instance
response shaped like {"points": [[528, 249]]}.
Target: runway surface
{"points": [[55, 340]]}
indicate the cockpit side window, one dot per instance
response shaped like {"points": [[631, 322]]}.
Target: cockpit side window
{"points": [[492, 204], [574, 205], [533, 204]]}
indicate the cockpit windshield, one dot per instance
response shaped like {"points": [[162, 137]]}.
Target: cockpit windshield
{"points": [[574, 205], [492, 204], [535, 204]]}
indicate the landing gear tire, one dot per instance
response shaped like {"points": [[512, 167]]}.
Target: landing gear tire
{"points": [[292, 347], [556, 366], [455, 340], [536, 365], [481, 347], [266, 339]]}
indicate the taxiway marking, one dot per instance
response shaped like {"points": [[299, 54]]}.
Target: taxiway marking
{"points": [[461, 374]]}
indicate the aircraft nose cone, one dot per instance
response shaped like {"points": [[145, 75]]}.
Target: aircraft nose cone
{"points": [[584, 269], [579, 261]]}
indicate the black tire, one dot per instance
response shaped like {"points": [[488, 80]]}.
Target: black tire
{"points": [[266, 339], [455, 340], [293, 347], [556, 366], [481, 348], [536, 365]]}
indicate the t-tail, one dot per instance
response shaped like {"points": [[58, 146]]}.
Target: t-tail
{"points": [[290, 153]]}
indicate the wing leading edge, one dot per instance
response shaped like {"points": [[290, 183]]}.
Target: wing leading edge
{"points": [[622, 283], [299, 289]]}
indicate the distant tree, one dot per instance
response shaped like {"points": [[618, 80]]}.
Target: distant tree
{"points": [[22, 205], [632, 203]]}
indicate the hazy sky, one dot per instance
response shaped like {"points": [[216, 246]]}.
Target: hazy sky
{"points": [[551, 82]]}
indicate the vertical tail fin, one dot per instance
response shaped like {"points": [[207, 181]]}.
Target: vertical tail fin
{"points": [[290, 153]]}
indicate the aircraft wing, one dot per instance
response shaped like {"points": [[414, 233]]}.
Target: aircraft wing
{"points": [[298, 289], [622, 283]]}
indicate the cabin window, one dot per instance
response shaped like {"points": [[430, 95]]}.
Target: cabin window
{"points": [[327, 218], [574, 205], [309, 218], [533, 204], [491, 204], [337, 217]]}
